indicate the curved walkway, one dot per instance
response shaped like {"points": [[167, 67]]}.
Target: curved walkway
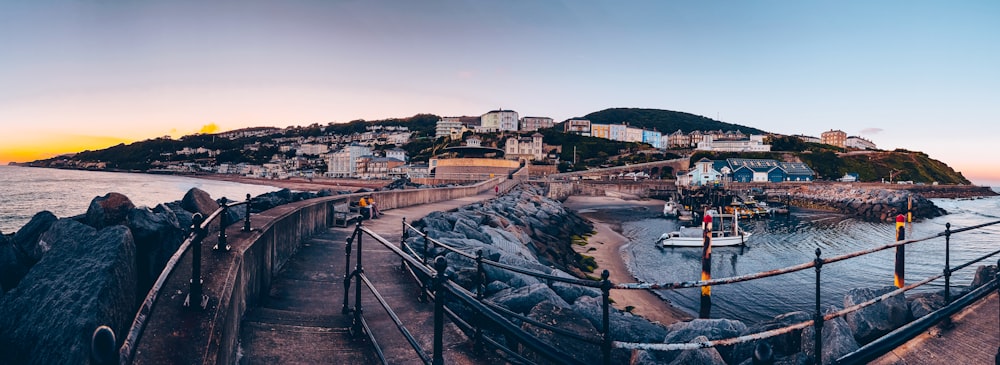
{"points": [[300, 322]]}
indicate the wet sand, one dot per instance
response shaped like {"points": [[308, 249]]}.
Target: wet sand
{"points": [[605, 246]]}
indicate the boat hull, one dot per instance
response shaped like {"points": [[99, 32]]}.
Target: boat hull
{"points": [[697, 241]]}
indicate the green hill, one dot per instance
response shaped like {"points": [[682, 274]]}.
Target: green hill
{"points": [[665, 121]]}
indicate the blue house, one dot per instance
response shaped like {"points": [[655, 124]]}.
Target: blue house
{"points": [[797, 171]]}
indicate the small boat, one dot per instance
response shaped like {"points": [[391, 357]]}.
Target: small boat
{"points": [[671, 209], [722, 235]]}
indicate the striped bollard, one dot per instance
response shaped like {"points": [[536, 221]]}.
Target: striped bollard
{"points": [[706, 266], [900, 251]]}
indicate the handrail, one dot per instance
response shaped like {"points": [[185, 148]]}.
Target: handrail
{"points": [[199, 228], [395, 319]]}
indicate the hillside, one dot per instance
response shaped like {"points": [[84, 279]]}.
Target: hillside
{"points": [[910, 166], [665, 121]]}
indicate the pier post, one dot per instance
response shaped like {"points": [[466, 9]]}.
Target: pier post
{"points": [[818, 319], [440, 265], [606, 316], [900, 252], [947, 263], [706, 267], [195, 291], [246, 221]]}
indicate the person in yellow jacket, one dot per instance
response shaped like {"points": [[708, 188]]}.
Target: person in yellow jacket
{"points": [[366, 209]]}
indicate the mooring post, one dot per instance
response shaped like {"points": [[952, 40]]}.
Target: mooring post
{"points": [[246, 220], [947, 263], [195, 292], [900, 252], [440, 264], [706, 266], [347, 273], [818, 319], [606, 314], [477, 343], [358, 271]]}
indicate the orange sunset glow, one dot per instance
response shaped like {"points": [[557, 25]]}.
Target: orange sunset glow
{"points": [[41, 147]]}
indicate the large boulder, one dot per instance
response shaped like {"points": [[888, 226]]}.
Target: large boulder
{"points": [[837, 339], [713, 329], [157, 235], [199, 201], [983, 275], [877, 319], [108, 210], [925, 303], [84, 281], [26, 238], [184, 217], [522, 300], [781, 345], [706, 356], [564, 318], [624, 326], [12, 269]]}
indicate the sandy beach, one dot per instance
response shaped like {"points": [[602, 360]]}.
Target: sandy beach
{"points": [[605, 246]]}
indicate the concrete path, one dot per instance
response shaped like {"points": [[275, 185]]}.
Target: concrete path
{"points": [[301, 322], [972, 338]]}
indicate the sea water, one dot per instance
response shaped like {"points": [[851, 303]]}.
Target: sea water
{"points": [[25, 191]]}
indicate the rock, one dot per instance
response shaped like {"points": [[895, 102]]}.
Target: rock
{"points": [[713, 329], [184, 217], [923, 304], [108, 210], [700, 356], [781, 345], [564, 318], [983, 275], [642, 357], [26, 239], [12, 269], [837, 339], [877, 319], [198, 201], [84, 281], [522, 300], [624, 326], [157, 235]]}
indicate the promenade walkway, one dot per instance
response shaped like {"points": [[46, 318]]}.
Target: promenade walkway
{"points": [[972, 338], [300, 322]]}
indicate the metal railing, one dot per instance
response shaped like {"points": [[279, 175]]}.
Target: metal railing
{"points": [[499, 319], [102, 352]]}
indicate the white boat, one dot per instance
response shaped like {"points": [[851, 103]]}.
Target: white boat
{"points": [[722, 235], [671, 209]]}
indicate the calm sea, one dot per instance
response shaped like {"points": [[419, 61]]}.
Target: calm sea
{"points": [[786, 241], [65, 193]]}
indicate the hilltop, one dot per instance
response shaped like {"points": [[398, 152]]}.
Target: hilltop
{"points": [[665, 121]]}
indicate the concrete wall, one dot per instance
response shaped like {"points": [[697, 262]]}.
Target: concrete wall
{"points": [[240, 279], [561, 190]]}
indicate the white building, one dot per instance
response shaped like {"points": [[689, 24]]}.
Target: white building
{"points": [[754, 144], [498, 120], [577, 126], [343, 163], [633, 134], [450, 127], [531, 124], [616, 132], [396, 153], [312, 149], [400, 138], [859, 143], [524, 148]]}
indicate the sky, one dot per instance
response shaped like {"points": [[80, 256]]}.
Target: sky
{"points": [[919, 75]]}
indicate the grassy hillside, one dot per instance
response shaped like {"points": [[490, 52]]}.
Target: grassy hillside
{"points": [[665, 121], [911, 166]]}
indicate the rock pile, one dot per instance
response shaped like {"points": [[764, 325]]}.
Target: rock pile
{"points": [[870, 204]]}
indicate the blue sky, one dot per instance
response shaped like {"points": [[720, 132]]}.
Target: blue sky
{"points": [[906, 74]]}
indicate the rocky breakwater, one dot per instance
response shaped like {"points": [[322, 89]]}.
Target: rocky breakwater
{"points": [[867, 203], [61, 278]]}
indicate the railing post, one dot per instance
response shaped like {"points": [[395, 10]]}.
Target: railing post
{"points": [[477, 345], [246, 221], [763, 354], [195, 292], [358, 271], [347, 273], [898, 275], [947, 263], [222, 245], [103, 349], [706, 267], [440, 264], [402, 244], [427, 244], [996, 358], [818, 319], [606, 316]]}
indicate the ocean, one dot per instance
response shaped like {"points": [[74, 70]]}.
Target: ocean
{"points": [[68, 193], [786, 241]]}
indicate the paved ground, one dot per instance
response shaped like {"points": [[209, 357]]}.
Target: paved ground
{"points": [[301, 322], [973, 339]]}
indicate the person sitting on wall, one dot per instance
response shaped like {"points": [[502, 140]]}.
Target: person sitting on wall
{"points": [[366, 211], [373, 207]]}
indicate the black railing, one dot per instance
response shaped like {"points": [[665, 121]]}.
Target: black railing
{"points": [[499, 319], [195, 299]]}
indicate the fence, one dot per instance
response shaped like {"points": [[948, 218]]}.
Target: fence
{"points": [[487, 315]]}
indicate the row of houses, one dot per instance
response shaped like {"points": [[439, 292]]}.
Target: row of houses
{"points": [[839, 138], [709, 172], [500, 120]]}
